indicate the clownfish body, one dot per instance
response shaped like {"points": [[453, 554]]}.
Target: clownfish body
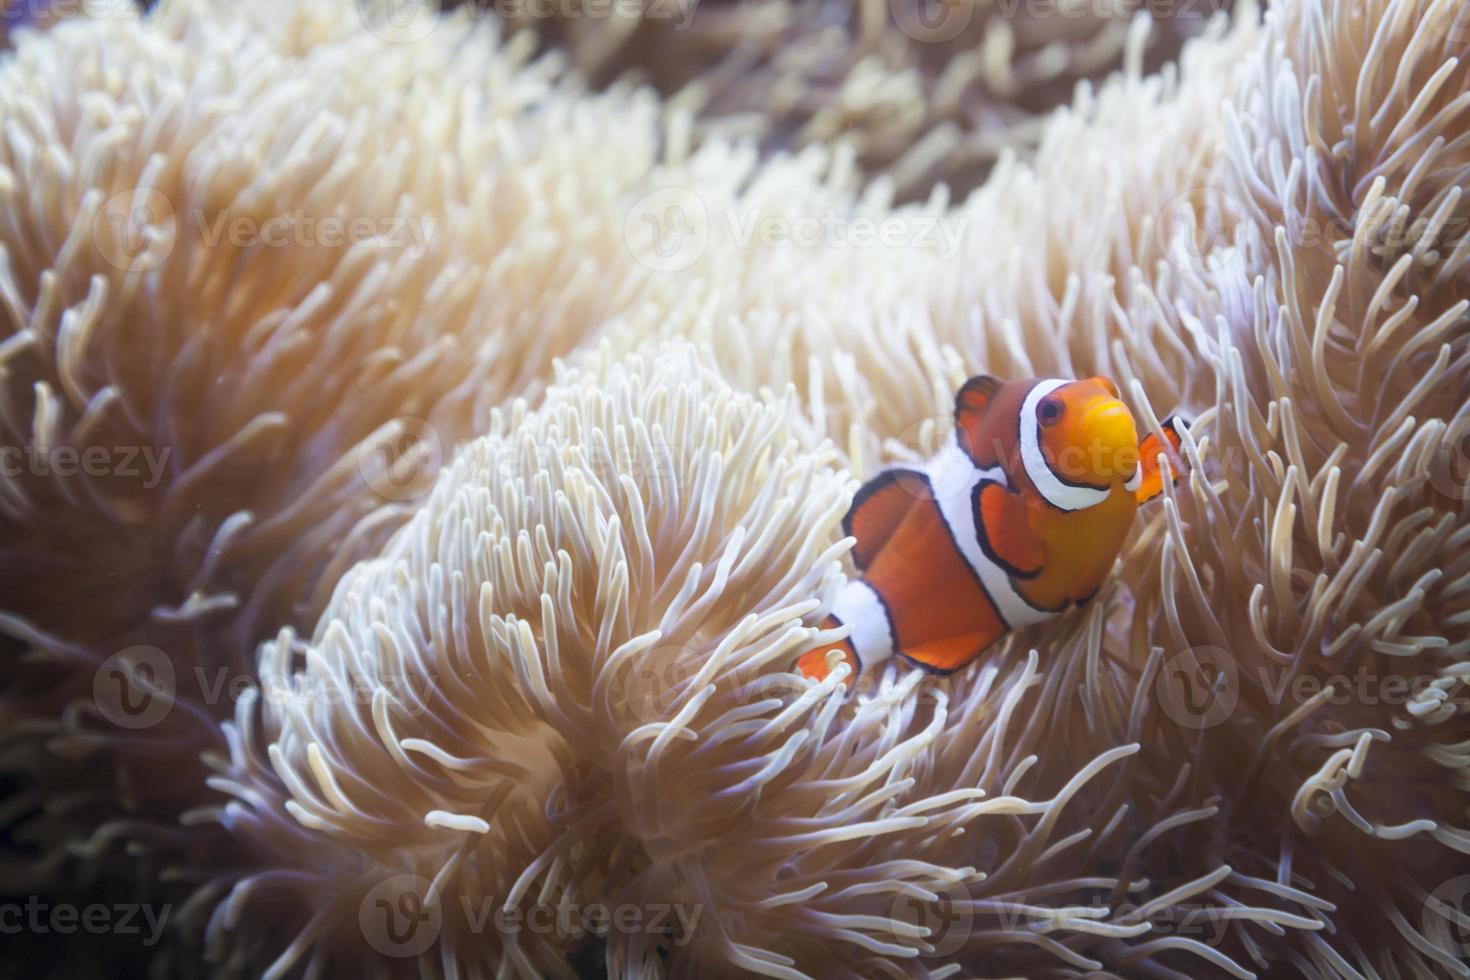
{"points": [[1019, 518]]}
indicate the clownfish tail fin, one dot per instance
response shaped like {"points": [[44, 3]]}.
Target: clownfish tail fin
{"points": [[816, 663]]}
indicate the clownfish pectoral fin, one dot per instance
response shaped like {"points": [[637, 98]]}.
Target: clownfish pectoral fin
{"points": [[1151, 453], [879, 507], [970, 405], [1005, 532]]}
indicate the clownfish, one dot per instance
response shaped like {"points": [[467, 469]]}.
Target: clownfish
{"points": [[1018, 519]]}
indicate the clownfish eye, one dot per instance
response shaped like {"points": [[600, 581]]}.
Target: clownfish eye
{"points": [[1049, 411]]}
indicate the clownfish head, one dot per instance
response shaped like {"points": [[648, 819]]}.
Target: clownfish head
{"points": [[1077, 441], [1073, 442]]}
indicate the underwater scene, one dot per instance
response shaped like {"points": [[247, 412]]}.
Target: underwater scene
{"points": [[698, 489]]}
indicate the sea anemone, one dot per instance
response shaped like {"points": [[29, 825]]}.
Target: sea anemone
{"points": [[462, 601], [922, 93], [266, 324]]}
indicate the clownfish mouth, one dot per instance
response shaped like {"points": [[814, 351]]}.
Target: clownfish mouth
{"points": [[1135, 480], [1113, 439]]}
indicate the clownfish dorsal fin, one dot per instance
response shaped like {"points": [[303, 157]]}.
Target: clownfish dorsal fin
{"points": [[1150, 459], [970, 405], [879, 507]]}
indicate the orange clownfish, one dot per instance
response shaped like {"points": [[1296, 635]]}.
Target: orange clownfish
{"points": [[1019, 518]]}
